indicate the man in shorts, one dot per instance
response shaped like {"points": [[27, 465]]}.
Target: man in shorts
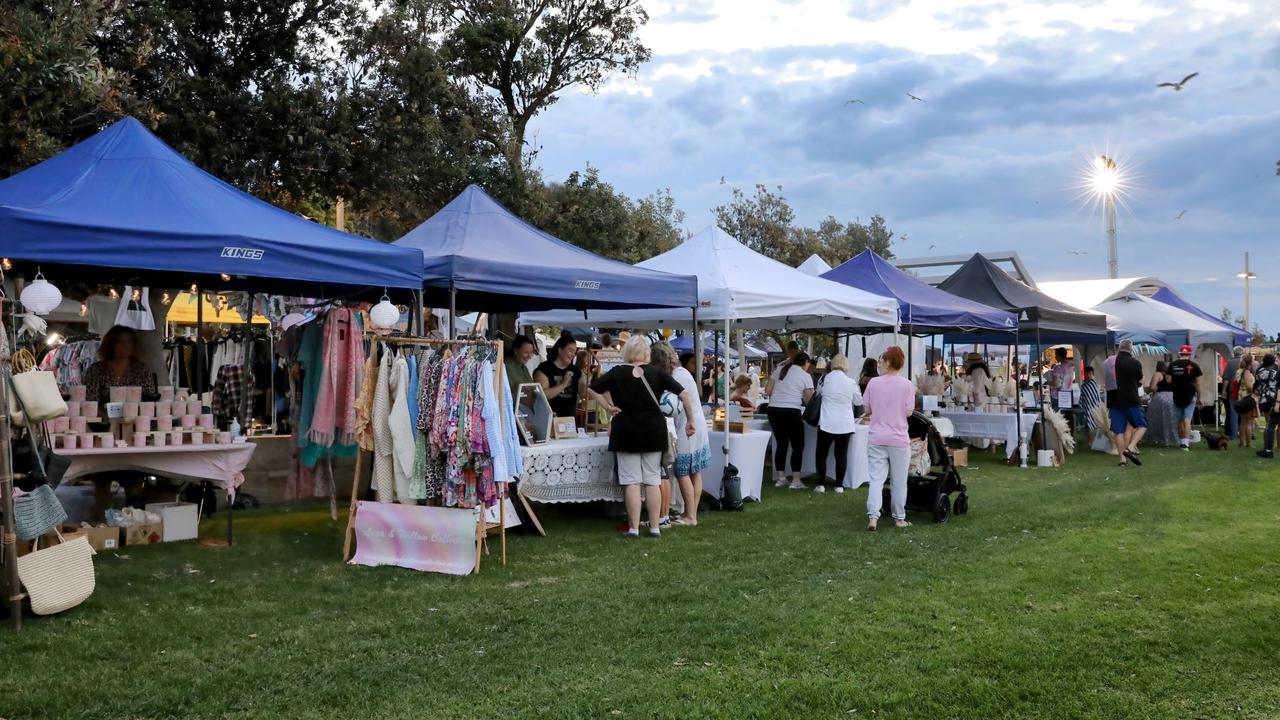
{"points": [[1128, 420], [1183, 374]]}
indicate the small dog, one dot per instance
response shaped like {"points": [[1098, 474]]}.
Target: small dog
{"points": [[1216, 441]]}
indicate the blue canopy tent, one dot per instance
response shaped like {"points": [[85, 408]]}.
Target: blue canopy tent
{"points": [[1238, 335], [922, 307], [124, 199], [478, 255]]}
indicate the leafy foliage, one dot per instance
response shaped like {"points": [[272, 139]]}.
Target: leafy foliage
{"points": [[765, 222]]}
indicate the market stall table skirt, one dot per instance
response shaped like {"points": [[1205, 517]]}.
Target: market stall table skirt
{"points": [[223, 464], [1002, 426], [856, 475], [574, 470], [748, 452]]}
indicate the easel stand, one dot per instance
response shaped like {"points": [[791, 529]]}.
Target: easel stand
{"points": [[483, 528]]}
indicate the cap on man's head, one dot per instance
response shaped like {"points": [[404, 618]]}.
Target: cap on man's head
{"points": [[1184, 350]]}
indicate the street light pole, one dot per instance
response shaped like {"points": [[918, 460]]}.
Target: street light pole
{"points": [[1247, 277], [1106, 181], [1113, 254]]}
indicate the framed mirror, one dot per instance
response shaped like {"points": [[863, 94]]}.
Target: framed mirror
{"points": [[533, 414]]}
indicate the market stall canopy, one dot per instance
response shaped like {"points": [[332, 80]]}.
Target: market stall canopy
{"points": [[684, 344], [754, 292], [1167, 296], [1056, 322], [497, 262], [124, 199], [814, 266], [1088, 294], [1176, 326], [922, 308]]}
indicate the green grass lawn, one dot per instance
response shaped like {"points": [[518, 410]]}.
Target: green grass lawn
{"points": [[1087, 592]]}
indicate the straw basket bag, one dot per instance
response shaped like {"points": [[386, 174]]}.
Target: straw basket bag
{"points": [[58, 577], [36, 513]]}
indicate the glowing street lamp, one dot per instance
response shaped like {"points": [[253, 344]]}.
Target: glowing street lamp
{"points": [[1107, 182]]}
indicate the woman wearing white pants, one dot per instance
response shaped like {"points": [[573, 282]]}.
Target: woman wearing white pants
{"points": [[889, 400]]}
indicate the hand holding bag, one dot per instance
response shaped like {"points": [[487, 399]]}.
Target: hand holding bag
{"points": [[813, 411], [668, 455], [58, 577]]}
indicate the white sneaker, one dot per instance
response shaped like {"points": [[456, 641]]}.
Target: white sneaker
{"points": [[797, 485], [820, 489], [781, 483], [840, 489]]}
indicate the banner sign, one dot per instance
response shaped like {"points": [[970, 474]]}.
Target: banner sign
{"points": [[431, 539]]}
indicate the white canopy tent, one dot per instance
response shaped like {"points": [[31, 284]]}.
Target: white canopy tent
{"points": [[744, 288], [1135, 310], [814, 266], [1088, 294]]}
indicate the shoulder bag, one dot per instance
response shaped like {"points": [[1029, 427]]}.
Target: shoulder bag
{"points": [[36, 391], [58, 577], [668, 455], [812, 413], [36, 512], [43, 466]]}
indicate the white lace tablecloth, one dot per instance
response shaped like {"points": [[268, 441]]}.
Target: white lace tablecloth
{"points": [[577, 470], [1002, 426]]}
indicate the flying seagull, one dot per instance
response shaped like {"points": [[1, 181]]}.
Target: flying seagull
{"points": [[854, 102], [1184, 212], [913, 97], [1076, 252], [1177, 87]]}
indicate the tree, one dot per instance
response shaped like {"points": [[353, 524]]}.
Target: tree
{"points": [[56, 89], [1228, 316], [529, 51], [588, 212], [765, 223]]}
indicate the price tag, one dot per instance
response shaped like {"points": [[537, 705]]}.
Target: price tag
{"points": [[1065, 401]]}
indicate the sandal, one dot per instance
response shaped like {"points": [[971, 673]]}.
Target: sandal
{"points": [[871, 526], [902, 523]]}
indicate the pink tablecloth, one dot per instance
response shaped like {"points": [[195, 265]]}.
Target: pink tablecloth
{"points": [[223, 464]]}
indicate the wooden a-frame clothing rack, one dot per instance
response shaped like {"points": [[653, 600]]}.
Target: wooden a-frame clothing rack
{"points": [[483, 528]]}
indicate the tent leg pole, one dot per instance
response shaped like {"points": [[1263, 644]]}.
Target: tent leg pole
{"points": [[728, 329], [453, 312]]}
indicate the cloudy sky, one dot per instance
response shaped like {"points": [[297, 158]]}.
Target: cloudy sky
{"points": [[1018, 97]]}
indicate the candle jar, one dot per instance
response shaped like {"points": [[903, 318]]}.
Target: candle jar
{"points": [[89, 409], [175, 437], [133, 393], [146, 409], [165, 423]]}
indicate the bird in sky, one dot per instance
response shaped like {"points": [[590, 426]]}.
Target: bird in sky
{"points": [[913, 97], [1184, 212], [1177, 87], [1077, 252], [853, 102], [932, 247]]}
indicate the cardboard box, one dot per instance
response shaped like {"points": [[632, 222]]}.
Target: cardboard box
{"points": [[103, 538], [959, 456], [143, 534], [181, 520]]}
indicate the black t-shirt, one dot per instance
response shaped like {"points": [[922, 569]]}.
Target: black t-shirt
{"points": [[1183, 375], [640, 426], [566, 403], [1128, 380]]}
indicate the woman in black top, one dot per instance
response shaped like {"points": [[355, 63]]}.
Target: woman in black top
{"points": [[870, 369], [638, 433], [559, 377]]}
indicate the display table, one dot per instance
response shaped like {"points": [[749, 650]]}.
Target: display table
{"points": [[748, 452], [1001, 426], [223, 464], [857, 473], [575, 470]]}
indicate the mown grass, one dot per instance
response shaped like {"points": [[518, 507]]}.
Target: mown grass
{"points": [[1086, 592]]}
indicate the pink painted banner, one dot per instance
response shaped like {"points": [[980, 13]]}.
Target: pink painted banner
{"points": [[431, 539]]}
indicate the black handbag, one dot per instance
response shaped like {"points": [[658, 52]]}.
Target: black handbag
{"points": [[731, 489], [1245, 405], [812, 413]]}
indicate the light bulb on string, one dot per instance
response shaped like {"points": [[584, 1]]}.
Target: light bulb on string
{"points": [[113, 294], [165, 299], [226, 277], [136, 296], [6, 264], [84, 309]]}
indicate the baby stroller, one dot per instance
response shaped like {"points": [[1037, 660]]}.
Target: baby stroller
{"points": [[930, 490]]}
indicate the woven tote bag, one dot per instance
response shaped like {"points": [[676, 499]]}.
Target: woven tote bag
{"points": [[36, 513], [58, 577]]}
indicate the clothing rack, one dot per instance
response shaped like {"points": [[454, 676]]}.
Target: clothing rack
{"points": [[483, 528]]}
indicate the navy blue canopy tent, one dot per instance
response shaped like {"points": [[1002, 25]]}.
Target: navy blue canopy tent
{"points": [[922, 307], [1238, 335], [481, 256], [1039, 316], [124, 199]]}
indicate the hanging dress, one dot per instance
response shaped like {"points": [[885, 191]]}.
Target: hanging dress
{"points": [[383, 472]]}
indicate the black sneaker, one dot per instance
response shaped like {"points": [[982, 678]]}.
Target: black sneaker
{"points": [[1266, 454]]}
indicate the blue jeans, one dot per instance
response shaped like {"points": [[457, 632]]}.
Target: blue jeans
{"points": [[1233, 420]]}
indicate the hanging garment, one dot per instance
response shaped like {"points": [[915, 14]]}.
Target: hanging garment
{"points": [[133, 313], [383, 471], [433, 461], [334, 418], [402, 433], [499, 420], [228, 392], [364, 404]]}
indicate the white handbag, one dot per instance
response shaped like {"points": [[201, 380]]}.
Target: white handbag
{"points": [[58, 577], [38, 390]]}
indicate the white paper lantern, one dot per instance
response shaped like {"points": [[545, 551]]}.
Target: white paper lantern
{"points": [[384, 315], [41, 297], [292, 319]]}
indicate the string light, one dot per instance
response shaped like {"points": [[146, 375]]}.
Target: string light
{"points": [[84, 309], [113, 294], [6, 264], [226, 277], [193, 289], [165, 299], [137, 295]]}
